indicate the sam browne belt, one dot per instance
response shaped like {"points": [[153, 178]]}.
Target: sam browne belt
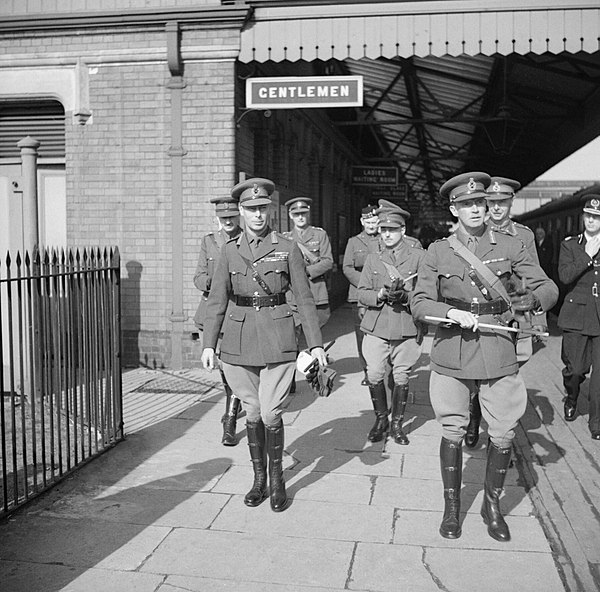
{"points": [[259, 301], [497, 306]]}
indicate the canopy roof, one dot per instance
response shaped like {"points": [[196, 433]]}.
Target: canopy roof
{"points": [[507, 87]]}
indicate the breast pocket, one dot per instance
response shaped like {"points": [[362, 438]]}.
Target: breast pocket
{"points": [[239, 280], [275, 274], [232, 332], [451, 280]]}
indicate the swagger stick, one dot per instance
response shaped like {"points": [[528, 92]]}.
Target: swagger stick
{"points": [[493, 327]]}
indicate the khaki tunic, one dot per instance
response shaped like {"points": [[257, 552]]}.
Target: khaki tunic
{"points": [[257, 337], [484, 354]]}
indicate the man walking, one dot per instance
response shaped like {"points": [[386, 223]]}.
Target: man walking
{"points": [[391, 335], [248, 303], [355, 255], [579, 318], [462, 281], [228, 219]]}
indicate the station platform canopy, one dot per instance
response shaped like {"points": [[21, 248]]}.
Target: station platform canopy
{"points": [[510, 87]]}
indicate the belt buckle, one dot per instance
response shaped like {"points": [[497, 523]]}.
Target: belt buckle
{"points": [[475, 308], [255, 302]]}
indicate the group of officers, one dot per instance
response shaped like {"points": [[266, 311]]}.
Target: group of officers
{"points": [[482, 288]]}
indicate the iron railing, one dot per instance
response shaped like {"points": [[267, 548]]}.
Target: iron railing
{"points": [[60, 341]]}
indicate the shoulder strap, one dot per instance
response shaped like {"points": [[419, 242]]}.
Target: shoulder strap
{"points": [[307, 254], [484, 272]]}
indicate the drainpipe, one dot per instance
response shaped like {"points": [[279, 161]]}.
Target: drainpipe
{"points": [[176, 152], [29, 153]]}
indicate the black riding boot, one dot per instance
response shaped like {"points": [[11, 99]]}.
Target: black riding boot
{"points": [[229, 420], [399, 398], [472, 435], [451, 465], [379, 400], [275, 439], [258, 453], [497, 464]]}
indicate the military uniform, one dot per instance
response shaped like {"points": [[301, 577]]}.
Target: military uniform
{"points": [[355, 255], [391, 335], [247, 302], [579, 319], [210, 249], [316, 249], [463, 361]]}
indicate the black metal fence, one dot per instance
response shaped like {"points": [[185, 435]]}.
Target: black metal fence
{"points": [[60, 341]]}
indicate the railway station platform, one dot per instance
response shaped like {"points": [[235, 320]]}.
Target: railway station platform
{"points": [[163, 511]]}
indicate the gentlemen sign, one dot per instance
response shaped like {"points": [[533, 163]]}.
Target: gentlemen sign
{"points": [[379, 176], [302, 92]]}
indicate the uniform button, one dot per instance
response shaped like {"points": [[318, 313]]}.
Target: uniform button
{"points": [[255, 264], [498, 273], [472, 283], [255, 293]]}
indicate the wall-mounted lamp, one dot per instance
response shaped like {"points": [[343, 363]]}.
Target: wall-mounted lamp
{"points": [[266, 113]]}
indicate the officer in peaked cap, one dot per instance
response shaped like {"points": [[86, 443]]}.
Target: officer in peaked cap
{"points": [[579, 317], [384, 204], [228, 220], [357, 249], [391, 335], [500, 195], [253, 192], [465, 186], [316, 249], [248, 304], [299, 204], [463, 278]]}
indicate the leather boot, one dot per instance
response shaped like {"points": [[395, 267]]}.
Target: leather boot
{"points": [[451, 465], [229, 421], [258, 453], [275, 439], [379, 400], [497, 464], [399, 398], [472, 435]]}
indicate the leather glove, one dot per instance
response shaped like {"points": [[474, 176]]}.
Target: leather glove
{"points": [[383, 293], [524, 300], [399, 296], [320, 379]]}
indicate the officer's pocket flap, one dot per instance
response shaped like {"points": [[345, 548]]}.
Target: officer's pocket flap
{"points": [[280, 312], [577, 299], [238, 267], [456, 270], [237, 314]]}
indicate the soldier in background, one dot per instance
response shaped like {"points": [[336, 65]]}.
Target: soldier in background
{"points": [[391, 335], [315, 247], [579, 318], [463, 279], [355, 255], [228, 219], [247, 302]]}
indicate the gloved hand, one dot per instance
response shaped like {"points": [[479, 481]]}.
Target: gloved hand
{"points": [[524, 300], [382, 295], [320, 379], [397, 294]]}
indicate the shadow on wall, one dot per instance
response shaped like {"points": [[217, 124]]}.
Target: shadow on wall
{"points": [[130, 314]]}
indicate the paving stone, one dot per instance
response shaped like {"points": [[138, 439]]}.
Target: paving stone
{"points": [[255, 558], [311, 520]]}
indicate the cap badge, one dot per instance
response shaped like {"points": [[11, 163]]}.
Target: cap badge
{"points": [[471, 185], [255, 190], [595, 203], [496, 186]]}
